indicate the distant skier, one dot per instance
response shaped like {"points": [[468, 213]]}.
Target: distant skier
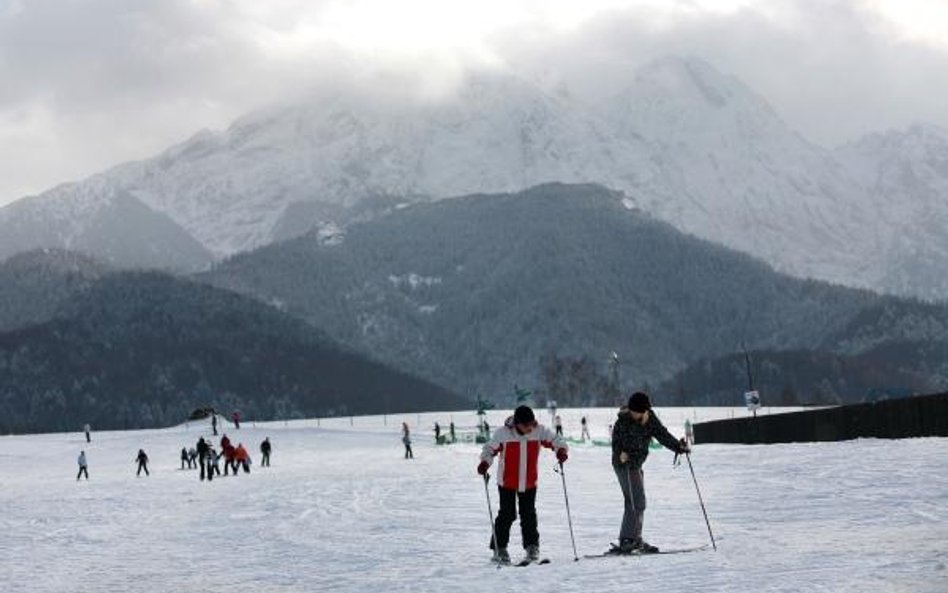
{"points": [[212, 466], [184, 457], [518, 444], [142, 460], [451, 432], [214, 422], [83, 466], [558, 425], [585, 429], [241, 458], [192, 457], [87, 429], [217, 461], [265, 449], [406, 440], [236, 418], [633, 431], [230, 464], [202, 448], [437, 429]]}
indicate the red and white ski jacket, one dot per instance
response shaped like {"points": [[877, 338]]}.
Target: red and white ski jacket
{"points": [[518, 454]]}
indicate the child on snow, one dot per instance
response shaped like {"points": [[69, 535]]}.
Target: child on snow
{"points": [[517, 443], [241, 458]]}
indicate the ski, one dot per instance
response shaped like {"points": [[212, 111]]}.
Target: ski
{"points": [[500, 563], [612, 554], [528, 562]]}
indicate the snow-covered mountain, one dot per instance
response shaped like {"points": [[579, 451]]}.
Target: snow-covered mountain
{"points": [[735, 173], [236, 190], [101, 218], [905, 174], [692, 146]]}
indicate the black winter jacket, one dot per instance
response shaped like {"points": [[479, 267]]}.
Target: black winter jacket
{"points": [[633, 438]]}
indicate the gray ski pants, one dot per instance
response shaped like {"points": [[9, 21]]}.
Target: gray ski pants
{"points": [[632, 481]]}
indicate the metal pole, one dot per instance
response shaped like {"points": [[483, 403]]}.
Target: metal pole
{"points": [[569, 517], [490, 517], [698, 490]]}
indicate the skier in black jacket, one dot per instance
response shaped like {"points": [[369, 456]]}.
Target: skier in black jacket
{"points": [[202, 448], [142, 460], [631, 435]]}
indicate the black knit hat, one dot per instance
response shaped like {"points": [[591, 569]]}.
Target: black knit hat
{"points": [[638, 402], [523, 415]]}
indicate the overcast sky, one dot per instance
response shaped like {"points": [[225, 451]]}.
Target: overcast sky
{"points": [[85, 84]]}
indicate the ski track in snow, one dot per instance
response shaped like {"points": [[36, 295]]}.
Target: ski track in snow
{"points": [[341, 510]]}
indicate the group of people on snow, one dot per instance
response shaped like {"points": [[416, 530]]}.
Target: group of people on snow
{"points": [[451, 437], [203, 456], [235, 457], [516, 446]]}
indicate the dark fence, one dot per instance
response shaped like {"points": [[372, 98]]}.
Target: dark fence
{"points": [[919, 416]]}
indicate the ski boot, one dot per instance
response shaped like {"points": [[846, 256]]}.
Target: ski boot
{"points": [[533, 553], [644, 547], [502, 556], [625, 548]]}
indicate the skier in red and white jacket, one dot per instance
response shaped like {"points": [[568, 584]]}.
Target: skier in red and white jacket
{"points": [[517, 443]]}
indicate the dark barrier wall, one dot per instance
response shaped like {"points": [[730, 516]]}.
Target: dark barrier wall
{"points": [[924, 415]]}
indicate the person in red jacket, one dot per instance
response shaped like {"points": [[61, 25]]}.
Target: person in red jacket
{"points": [[241, 458], [517, 445]]}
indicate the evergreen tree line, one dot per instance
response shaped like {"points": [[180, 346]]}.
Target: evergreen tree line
{"points": [[144, 349], [478, 292]]}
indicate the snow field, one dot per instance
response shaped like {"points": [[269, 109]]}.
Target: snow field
{"points": [[341, 510]]}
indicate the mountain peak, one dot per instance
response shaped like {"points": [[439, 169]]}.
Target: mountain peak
{"points": [[691, 76], [676, 97]]}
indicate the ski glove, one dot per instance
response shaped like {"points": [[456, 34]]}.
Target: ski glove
{"points": [[562, 455], [482, 467], [683, 447]]}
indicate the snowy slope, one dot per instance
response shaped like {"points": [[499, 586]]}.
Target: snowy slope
{"points": [[340, 510]]}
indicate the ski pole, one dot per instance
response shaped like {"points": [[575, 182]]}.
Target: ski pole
{"points": [[490, 517], [569, 517], [698, 490]]}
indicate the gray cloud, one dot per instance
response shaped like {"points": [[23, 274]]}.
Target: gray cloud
{"points": [[87, 84], [832, 71]]}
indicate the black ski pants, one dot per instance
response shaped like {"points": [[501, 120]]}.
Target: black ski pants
{"points": [[265, 460], [510, 500], [142, 466], [82, 470]]}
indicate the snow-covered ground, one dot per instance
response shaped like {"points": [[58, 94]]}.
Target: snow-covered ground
{"points": [[341, 510]]}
